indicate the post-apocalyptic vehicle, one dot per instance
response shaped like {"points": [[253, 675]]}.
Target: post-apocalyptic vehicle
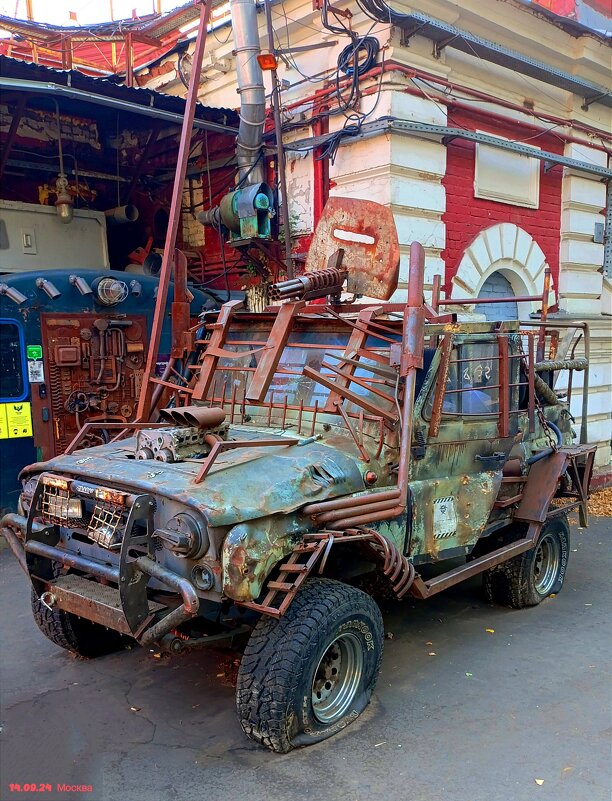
{"points": [[306, 447]]}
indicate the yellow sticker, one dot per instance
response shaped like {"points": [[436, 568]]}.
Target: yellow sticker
{"points": [[3, 423], [19, 419]]}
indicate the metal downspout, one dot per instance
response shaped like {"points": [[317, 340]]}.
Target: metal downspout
{"points": [[251, 90]]}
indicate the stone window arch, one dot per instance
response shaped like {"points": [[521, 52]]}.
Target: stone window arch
{"points": [[509, 250]]}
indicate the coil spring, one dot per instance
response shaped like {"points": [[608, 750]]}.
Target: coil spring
{"points": [[398, 569]]}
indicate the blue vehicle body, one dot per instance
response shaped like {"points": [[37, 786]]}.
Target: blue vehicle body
{"points": [[45, 391]]}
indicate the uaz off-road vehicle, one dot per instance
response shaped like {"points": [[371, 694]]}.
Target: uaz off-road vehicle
{"points": [[310, 445]]}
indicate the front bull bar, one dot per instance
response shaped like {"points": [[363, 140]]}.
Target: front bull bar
{"points": [[189, 596]]}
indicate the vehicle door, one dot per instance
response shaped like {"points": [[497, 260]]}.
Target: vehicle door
{"points": [[464, 431]]}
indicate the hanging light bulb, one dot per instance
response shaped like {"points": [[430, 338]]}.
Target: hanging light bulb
{"points": [[64, 204]]}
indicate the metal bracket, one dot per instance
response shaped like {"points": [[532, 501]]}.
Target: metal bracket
{"points": [[439, 46], [132, 581]]}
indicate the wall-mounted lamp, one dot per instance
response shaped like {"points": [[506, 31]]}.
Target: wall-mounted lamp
{"points": [[110, 291], [136, 288], [14, 294], [81, 284], [64, 205], [48, 288]]}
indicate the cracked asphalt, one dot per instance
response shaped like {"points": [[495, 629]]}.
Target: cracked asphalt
{"points": [[459, 714]]}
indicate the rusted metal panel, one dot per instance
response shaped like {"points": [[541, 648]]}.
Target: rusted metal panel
{"points": [[366, 232], [99, 603], [541, 487]]}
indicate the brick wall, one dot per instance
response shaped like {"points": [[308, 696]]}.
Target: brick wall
{"points": [[466, 216]]}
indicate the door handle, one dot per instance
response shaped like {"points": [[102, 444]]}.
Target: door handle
{"points": [[491, 461]]}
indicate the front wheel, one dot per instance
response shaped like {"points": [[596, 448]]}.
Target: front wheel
{"points": [[527, 579], [311, 673]]}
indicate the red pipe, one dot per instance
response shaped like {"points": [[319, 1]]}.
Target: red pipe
{"points": [[391, 66]]}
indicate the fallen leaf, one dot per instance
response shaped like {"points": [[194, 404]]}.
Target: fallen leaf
{"points": [[539, 782], [389, 635], [156, 656], [568, 769], [490, 631], [428, 642], [135, 708], [377, 744], [432, 653]]}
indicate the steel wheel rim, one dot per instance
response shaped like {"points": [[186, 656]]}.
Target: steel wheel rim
{"points": [[337, 678], [546, 564]]}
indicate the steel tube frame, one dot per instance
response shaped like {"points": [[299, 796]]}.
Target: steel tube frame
{"points": [[584, 327], [72, 560], [175, 211]]}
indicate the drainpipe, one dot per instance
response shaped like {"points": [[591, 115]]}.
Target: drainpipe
{"points": [[251, 90]]}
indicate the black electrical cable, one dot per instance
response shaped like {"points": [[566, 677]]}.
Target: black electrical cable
{"points": [[364, 51]]}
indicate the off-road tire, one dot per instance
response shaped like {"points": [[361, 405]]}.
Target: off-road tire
{"points": [[514, 583], [75, 634], [275, 679]]}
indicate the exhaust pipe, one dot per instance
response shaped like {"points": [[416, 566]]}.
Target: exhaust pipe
{"points": [[251, 90], [121, 215], [203, 417]]}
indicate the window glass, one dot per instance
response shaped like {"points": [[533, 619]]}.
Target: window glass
{"points": [[12, 382], [472, 383]]}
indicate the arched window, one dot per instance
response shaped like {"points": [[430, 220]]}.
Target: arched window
{"points": [[498, 286]]}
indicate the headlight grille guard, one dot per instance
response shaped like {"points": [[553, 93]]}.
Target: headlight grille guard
{"points": [[136, 565]]}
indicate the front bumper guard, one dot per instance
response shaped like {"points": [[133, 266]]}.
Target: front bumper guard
{"points": [[131, 577]]}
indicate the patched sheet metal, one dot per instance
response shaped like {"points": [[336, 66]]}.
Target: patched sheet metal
{"points": [[468, 500]]}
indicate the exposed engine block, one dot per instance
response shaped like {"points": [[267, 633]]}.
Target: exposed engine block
{"points": [[173, 444]]}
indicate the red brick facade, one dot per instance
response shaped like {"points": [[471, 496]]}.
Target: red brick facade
{"points": [[466, 216]]}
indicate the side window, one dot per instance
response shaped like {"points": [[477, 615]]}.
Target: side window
{"points": [[12, 370], [479, 378], [472, 382]]}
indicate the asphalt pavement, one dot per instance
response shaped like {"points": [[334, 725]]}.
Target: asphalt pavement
{"points": [[474, 703]]}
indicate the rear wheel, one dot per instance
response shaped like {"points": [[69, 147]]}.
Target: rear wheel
{"points": [[532, 576], [74, 633], [311, 673]]}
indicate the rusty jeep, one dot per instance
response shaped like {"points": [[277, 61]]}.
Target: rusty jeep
{"points": [[305, 448]]}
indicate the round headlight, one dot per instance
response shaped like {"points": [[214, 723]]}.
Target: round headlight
{"points": [[184, 536]]}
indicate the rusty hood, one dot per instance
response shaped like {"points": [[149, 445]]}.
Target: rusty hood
{"points": [[242, 485]]}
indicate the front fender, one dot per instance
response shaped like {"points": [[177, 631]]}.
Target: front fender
{"points": [[250, 551]]}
